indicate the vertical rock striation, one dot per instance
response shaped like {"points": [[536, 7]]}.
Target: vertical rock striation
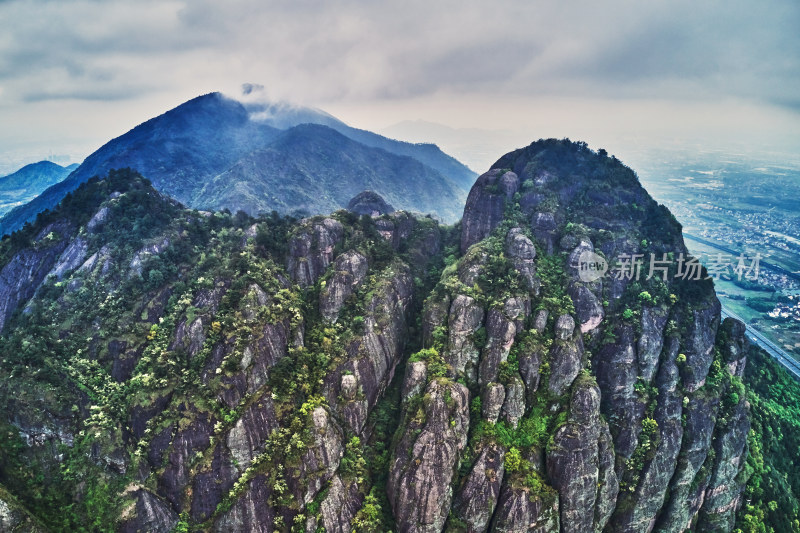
{"points": [[266, 382]]}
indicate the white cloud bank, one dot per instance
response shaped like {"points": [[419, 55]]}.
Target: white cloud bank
{"points": [[80, 72]]}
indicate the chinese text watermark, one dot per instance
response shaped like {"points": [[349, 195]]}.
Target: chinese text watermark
{"points": [[592, 266]]}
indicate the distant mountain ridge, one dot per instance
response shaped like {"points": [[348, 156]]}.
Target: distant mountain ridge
{"points": [[284, 116], [26, 183], [311, 169], [193, 151]]}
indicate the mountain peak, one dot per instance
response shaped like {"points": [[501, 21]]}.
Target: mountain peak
{"points": [[369, 203], [189, 151], [554, 180], [26, 183]]}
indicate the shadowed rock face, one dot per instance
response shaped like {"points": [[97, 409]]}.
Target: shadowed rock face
{"points": [[26, 270], [306, 381], [150, 514], [519, 511], [14, 517], [477, 497], [486, 201], [369, 203]]}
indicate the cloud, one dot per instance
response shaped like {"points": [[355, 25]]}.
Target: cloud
{"points": [[115, 93], [350, 50], [251, 88], [347, 52]]}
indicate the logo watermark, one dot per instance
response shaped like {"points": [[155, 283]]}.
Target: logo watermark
{"points": [[592, 266]]}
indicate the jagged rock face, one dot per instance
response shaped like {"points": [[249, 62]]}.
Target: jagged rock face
{"points": [[256, 397], [607, 481], [71, 258], [565, 356], [652, 488], [350, 269], [321, 460], [148, 251], [514, 403], [231, 451], [500, 331], [630, 378], [24, 272], [374, 356], [723, 494], [487, 197], [530, 362], [149, 513], [415, 379], [311, 250], [585, 294], [249, 514], [465, 318], [97, 220], [735, 353], [14, 517], [523, 253], [477, 497], [250, 431], [651, 341], [340, 506], [519, 511], [573, 461], [588, 308], [424, 461], [617, 374], [493, 398], [700, 344]]}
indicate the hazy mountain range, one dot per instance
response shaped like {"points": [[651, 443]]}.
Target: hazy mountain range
{"points": [[214, 152], [26, 183]]}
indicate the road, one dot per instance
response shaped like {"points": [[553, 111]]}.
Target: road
{"points": [[788, 362]]}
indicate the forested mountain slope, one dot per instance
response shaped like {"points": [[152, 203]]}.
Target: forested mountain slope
{"points": [[166, 369], [771, 498]]}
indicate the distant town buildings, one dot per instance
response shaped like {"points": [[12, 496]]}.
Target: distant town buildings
{"points": [[787, 311]]}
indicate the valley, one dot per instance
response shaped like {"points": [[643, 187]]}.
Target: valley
{"points": [[733, 204]]}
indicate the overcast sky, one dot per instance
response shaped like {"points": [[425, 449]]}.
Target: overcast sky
{"points": [[74, 74]]}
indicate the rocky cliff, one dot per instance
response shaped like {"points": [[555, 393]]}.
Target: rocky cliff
{"points": [[166, 369], [594, 405]]}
